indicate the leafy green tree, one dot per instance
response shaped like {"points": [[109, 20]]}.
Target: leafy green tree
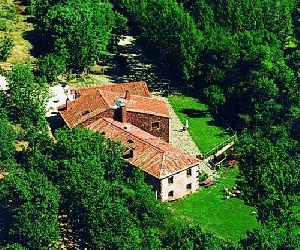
{"points": [[27, 98], [269, 176], [172, 33], [215, 97], [51, 66], [6, 46], [31, 203], [81, 31], [8, 136], [269, 236], [121, 27], [14, 246], [256, 15]]}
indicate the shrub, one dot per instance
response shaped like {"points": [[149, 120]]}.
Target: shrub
{"points": [[6, 46], [3, 25], [50, 66]]}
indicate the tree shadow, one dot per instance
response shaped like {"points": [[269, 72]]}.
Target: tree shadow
{"points": [[216, 121], [194, 113], [55, 122], [40, 45]]}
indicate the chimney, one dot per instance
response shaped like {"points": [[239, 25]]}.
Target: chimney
{"points": [[123, 114], [67, 102], [76, 94], [127, 95]]}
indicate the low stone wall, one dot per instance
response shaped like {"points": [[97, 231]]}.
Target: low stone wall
{"points": [[219, 152]]}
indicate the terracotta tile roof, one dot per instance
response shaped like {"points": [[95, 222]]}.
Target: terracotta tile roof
{"points": [[135, 88], [83, 108], [137, 103], [152, 155], [96, 101]]}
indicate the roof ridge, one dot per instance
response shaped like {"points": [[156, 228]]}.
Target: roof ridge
{"points": [[162, 163], [97, 90], [140, 96], [140, 139]]}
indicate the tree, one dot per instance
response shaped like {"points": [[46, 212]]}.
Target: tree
{"points": [[6, 46], [269, 176], [79, 30], [31, 203], [256, 15], [8, 136], [215, 97], [269, 236], [27, 98], [14, 246], [173, 35], [51, 66]]}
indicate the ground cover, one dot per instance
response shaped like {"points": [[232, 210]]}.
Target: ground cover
{"points": [[202, 128], [229, 219], [16, 24]]}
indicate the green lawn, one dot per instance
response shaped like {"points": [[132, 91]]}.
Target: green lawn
{"points": [[226, 218], [202, 129]]}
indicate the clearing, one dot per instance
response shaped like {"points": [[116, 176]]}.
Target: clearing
{"points": [[229, 219], [202, 127]]}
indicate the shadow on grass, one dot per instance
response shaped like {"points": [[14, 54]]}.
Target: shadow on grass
{"points": [[195, 113], [40, 46], [217, 122]]}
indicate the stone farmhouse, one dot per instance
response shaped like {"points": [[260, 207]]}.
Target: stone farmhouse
{"points": [[127, 113]]}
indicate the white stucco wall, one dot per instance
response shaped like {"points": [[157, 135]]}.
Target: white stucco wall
{"points": [[180, 180]]}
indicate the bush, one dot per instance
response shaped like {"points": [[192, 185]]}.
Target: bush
{"points": [[50, 66], [8, 11], [14, 246], [3, 25], [6, 46], [31, 203]]}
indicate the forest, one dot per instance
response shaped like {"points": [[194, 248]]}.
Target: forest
{"points": [[240, 57]]}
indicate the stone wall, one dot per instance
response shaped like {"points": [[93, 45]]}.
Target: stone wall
{"points": [[144, 122], [179, 185]]}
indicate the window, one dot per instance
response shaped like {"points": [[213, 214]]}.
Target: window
{"points": [[155, 125], [130, 141], [189, 172], [171, 194], [85, 112], [189, 186], [171, 180], [128, 153]]}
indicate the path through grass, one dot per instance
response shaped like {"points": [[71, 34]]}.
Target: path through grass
{"points": [[202, 128], [229, 219]]}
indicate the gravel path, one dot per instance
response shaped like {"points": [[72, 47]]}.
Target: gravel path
{"points": [[179, 138]]}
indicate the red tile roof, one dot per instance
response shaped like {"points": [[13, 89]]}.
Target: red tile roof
{"points": [[96, 101], [137, 103], [151, 154], [83, 108], [135, 88]]}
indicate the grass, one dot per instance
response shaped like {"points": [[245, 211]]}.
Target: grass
{"points": [[17, 25], [202, 128], [229, 219]]}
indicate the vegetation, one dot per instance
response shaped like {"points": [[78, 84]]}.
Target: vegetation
{"points": [[50, 67], [242, 56], [229, 219], [27, 97], [204, 132], [6, 46]]}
